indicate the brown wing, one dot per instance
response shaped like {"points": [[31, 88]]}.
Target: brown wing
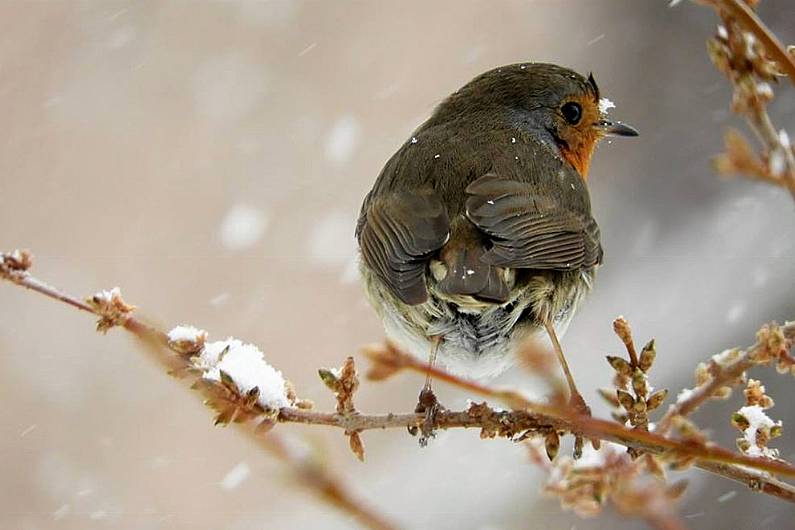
{"points": [[530, 231], [467, 273], [397, 234]]}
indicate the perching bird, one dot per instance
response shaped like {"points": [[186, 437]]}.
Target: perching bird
{"points": [[478, 232]]}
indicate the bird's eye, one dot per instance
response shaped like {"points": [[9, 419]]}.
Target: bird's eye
{"points": [[572, 112]]}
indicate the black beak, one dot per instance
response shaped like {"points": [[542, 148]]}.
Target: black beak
{"points": [[616, 128]]}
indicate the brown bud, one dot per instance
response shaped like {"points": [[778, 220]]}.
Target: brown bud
{"points": [[622, 329], [329, 379], [782, 366], [639, 384], [740, 421], [18, 260], [702, 374], [386, 359], [226, 416], [723, 392], [552, 444], [654, 466], [619, 417], [304, 404], [609, 395], [227, 381], [682, 462], [675, 490], [647, 356], [357, 446], [251, 397], [621, 366], [625, 399], [579, 441], [775, 431], [656, 399], [265, 425]]}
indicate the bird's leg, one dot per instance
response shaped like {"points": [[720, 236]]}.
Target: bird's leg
{"points": [[575, 398], [427, 402]]}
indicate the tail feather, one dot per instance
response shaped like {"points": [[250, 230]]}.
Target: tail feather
{"points": [[468, 275]]}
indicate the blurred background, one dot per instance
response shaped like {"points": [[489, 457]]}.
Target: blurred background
{"points": [[210, 159]]}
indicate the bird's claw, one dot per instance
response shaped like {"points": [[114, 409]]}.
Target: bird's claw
{"points": [[430, 406]]}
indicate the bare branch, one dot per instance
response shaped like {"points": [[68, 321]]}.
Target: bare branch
{"points": [[528, 418], [751, 57], [310, 473], [767, 349], [750, 22]]}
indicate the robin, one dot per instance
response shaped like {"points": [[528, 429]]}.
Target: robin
{"points": [[478, 232]]}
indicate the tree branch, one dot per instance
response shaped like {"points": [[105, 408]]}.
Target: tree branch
{"points": [[312, 475], [752, 58], [528, 417], [750, 22], [723, 376]]}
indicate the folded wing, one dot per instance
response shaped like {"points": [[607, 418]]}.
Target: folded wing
{"points": [[530, 231], [398, 234]]}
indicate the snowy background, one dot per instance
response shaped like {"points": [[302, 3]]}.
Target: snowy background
{"points": [[210, 158]]}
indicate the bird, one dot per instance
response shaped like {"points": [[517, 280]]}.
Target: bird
{"points": [[478, 232]]}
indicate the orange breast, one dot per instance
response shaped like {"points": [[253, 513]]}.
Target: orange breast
{"points": [[579, 155]]}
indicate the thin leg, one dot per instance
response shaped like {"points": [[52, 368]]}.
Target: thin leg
{"points": [[427, 402], [575, 398], [435, 342]]}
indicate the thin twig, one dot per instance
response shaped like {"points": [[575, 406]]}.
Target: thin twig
{"points": [[312, 475], [751, 57], [527, 415], [721, 376], [750, 22]]}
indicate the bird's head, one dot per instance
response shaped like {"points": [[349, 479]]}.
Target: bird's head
{"points": [[557, 100]]}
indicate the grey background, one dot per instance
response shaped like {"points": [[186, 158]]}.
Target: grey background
{"points": [[136, 133]]}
